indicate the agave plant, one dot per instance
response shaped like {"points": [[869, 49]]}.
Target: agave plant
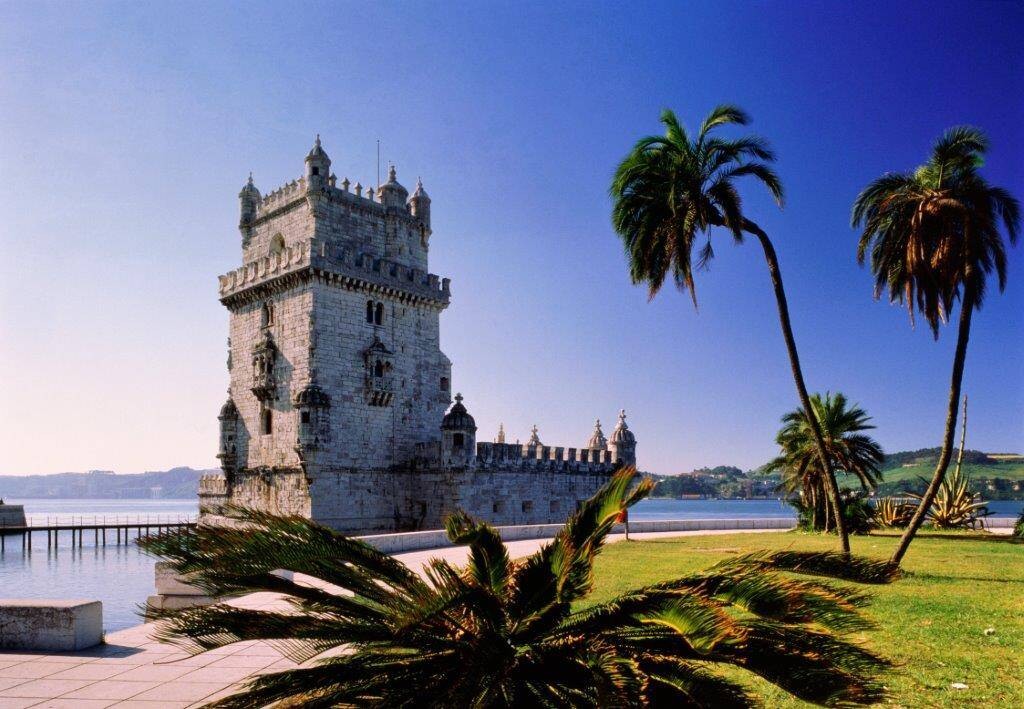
{"points": [[955, 506], [511, 633], [893, 513], [1018, 528]]}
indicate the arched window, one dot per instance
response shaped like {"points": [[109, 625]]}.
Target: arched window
{"points": [[378, 316], [369, 311], [444, 384], [267, 314], [458, 440], [378, 369], [276, 244], [267, 422]]}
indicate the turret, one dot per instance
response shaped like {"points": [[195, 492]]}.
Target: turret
{"points": [[458, 437], [314, 408], [249, 201], [623, 443], [597, 440], [391, 193], [318, 166], [228, 451], [419, 205]]}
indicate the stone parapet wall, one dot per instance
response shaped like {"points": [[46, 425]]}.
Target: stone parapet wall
{"points": [[365, 501]]}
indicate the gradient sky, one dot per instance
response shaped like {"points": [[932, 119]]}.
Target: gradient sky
{"points": [[126, 131]]}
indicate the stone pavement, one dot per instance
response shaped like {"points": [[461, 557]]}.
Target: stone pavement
{"points": [[133, 670]]}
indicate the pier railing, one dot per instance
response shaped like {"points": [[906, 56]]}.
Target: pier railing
{"points": [[117, 529]]}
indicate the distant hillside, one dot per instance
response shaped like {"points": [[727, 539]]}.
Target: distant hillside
{"points": [[997, 476], [179, 483], [994, 475]]}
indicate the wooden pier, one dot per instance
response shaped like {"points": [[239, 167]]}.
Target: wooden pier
{"points": [[119, 532]]}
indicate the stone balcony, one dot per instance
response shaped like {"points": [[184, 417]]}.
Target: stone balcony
{"points": [[339, 264]]}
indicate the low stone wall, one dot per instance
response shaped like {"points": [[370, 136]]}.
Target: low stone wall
{"points": [[436, 538], [46, 624]]}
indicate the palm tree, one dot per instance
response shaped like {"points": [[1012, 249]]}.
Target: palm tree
{"points": [[508, 633], [849, 448], [934, 236], [670, 189]]}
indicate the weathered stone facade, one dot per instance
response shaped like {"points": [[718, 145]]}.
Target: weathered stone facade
{"points": [[339, 387]]}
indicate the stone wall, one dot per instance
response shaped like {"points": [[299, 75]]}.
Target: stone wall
{"points": [[367, 501]]}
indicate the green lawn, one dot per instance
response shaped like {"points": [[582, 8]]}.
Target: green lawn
{"points": [[931, 623]]}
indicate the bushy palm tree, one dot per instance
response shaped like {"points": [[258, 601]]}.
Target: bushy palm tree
{"points": [[850, 450], [933, 237], [511, 633], [671, 190]]}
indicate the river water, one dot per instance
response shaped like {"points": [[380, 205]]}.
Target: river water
{"points": [[122, 577]]}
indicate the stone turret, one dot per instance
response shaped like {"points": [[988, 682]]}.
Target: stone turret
{"points": [[501, 434], [249, 201], [419, 205], [458, 437], [623, 442], [597, 440], [314, 407], [228, 452], [391, 193], [318, 166]]}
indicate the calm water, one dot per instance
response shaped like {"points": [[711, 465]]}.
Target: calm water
{"points": [[122, 577]]}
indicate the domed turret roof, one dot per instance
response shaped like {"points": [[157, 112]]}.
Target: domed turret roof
{"points": [[534, 438], [457, 418], [249, 190], [312, 395], [393, 187], [420, 193], [597, 439], [317, 152], [229, 410], [622, 434]]}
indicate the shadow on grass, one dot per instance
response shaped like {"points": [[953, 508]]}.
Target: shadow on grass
{"points": [[949, 577], [968, 537]]}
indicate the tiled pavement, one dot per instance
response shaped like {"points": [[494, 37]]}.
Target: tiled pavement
{"points": [[132, 670]]}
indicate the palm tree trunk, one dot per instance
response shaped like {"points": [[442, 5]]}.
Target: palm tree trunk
{"points": [[963, 334], [831, 487]]}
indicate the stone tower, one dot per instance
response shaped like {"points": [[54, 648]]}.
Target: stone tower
{"points": [[335, 359], [339, 389]]}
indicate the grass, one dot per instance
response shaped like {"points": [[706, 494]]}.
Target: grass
{"points": [[931, 623]]}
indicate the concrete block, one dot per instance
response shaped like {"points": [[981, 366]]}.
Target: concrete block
{"points": [[174, 603], [169, 583], [47, 624]]}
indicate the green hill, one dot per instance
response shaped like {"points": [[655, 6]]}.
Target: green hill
{"points": [[997, 476]]}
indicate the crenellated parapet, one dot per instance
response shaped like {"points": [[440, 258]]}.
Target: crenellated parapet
{"points": [[337, 263], [495, 456]]}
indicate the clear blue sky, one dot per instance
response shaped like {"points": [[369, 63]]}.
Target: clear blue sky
{"points": [[126, 131]]}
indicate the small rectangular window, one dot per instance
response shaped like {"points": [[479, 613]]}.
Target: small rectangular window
{"points": [[267, 422], [527, 506]]}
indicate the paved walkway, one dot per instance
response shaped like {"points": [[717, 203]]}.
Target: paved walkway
{"points": [[132, 670]]}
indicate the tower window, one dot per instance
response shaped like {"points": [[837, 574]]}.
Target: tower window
{"points": [[378, 369], [444, 384], [267, 422], [277, 244], [369, 311], [316, 170], [527, 506], [458, 440], [305, 417], [378, 316]]}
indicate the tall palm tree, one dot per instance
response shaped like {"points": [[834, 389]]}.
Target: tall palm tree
{"points": [[851, 450], [671, 189], [934, 236], [505, 633]]}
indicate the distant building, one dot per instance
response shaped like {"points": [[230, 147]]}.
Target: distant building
{"points": [[339, 388]]}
